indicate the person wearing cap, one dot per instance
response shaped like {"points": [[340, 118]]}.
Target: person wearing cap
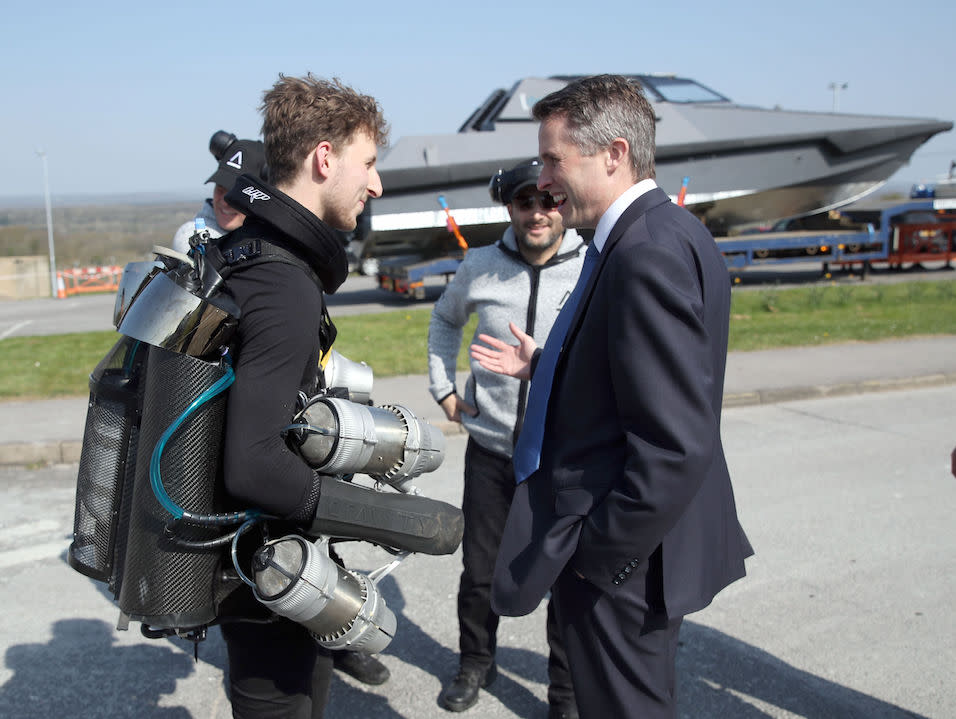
{"points": [[235, 158], [524, 277]]}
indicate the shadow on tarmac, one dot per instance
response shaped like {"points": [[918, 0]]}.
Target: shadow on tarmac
{"points": [[212, 650], [413, 646], [719, 676], [80, 668], [80, 672], [714, 670]]}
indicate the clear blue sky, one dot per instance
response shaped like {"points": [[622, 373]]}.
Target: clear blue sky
{"points": [[123, 97]]}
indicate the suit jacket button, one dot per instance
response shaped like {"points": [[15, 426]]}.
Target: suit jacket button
{"points": [[617, 582], [627, 570], [635, 562]]}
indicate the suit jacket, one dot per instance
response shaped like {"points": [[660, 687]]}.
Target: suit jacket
{"points": [[632, 461]]}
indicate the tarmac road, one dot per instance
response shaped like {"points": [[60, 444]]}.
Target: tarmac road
{"points": [[90, 313], [846, 612], [47, 316]]}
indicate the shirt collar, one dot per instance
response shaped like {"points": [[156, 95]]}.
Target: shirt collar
{"points": [[614, 212]]}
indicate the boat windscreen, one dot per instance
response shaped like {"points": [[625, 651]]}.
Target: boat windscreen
{"points": [[678, 89]]}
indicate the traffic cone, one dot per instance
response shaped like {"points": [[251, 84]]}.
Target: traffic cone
{"points": [[60, 286]]}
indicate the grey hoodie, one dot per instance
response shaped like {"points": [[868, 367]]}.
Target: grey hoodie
{"points": [[501, 287]]}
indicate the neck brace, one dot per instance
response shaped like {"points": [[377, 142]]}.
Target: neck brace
{"points": [[316, 242]]}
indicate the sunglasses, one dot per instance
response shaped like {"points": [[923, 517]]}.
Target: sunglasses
{"points": [[527, 202]]}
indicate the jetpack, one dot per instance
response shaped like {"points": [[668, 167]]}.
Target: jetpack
{"points": [[151, 518]]}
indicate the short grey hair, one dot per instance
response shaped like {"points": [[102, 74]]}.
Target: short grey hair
{"points": [[600, 109]]}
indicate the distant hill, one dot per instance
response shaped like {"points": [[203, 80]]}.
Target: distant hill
{"points": [[22, 202], [102, 232]]}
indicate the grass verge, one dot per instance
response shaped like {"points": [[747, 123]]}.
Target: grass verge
{"points": [[395, 343], [824, 314]]}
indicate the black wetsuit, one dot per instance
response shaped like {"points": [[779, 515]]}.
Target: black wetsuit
{"points": [[276, 356], [275, 668]]}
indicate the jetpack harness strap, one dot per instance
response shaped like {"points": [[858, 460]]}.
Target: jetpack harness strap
{"points": [[243, 252], [233, 251]]}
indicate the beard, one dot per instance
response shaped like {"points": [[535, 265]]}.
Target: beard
{"points": [[539, 243]]}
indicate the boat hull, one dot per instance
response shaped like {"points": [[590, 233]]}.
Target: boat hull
{"points": [[746, 165]]}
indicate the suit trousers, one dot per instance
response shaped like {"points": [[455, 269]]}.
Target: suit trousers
{"points": [[622, 649], [489, 486]]}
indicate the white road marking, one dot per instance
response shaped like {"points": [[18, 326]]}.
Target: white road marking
{"points": [[6, 333]]}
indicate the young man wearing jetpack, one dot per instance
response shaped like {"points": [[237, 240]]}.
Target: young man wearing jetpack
{"points": [[321, 145], [238, 157]]}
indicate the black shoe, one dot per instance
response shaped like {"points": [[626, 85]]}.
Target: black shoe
{"points": [[364, 667], [564, 710], [462, 693]]}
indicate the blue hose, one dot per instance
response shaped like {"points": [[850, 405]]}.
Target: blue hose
{"points": [[155, 476], [130, 356]]}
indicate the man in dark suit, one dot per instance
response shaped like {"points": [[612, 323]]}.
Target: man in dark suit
{"points": [[624, 508]]}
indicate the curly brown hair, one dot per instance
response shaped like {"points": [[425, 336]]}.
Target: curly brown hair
{"points": [[300, 112]]}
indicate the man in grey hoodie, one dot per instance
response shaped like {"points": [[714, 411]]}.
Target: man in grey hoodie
{"points": [[524, 278]]}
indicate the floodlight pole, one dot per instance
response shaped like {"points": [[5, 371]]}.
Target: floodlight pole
{"points": [[49, 222], [836, 87]]}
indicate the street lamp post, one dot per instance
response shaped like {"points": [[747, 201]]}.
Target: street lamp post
{"points": [[49, 222], [836, 87]]}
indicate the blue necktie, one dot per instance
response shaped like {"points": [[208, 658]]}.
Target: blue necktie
{"points": [[527, 454]]}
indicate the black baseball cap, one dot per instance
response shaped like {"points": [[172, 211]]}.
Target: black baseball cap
{"points": [[241, 157], [505, 184]]}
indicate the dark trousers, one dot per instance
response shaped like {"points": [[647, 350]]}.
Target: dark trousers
{"points": [[622, 650], [276, 671], [489, 489]]}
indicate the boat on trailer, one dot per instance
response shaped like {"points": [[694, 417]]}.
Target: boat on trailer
{"points": [[743, 164]]}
